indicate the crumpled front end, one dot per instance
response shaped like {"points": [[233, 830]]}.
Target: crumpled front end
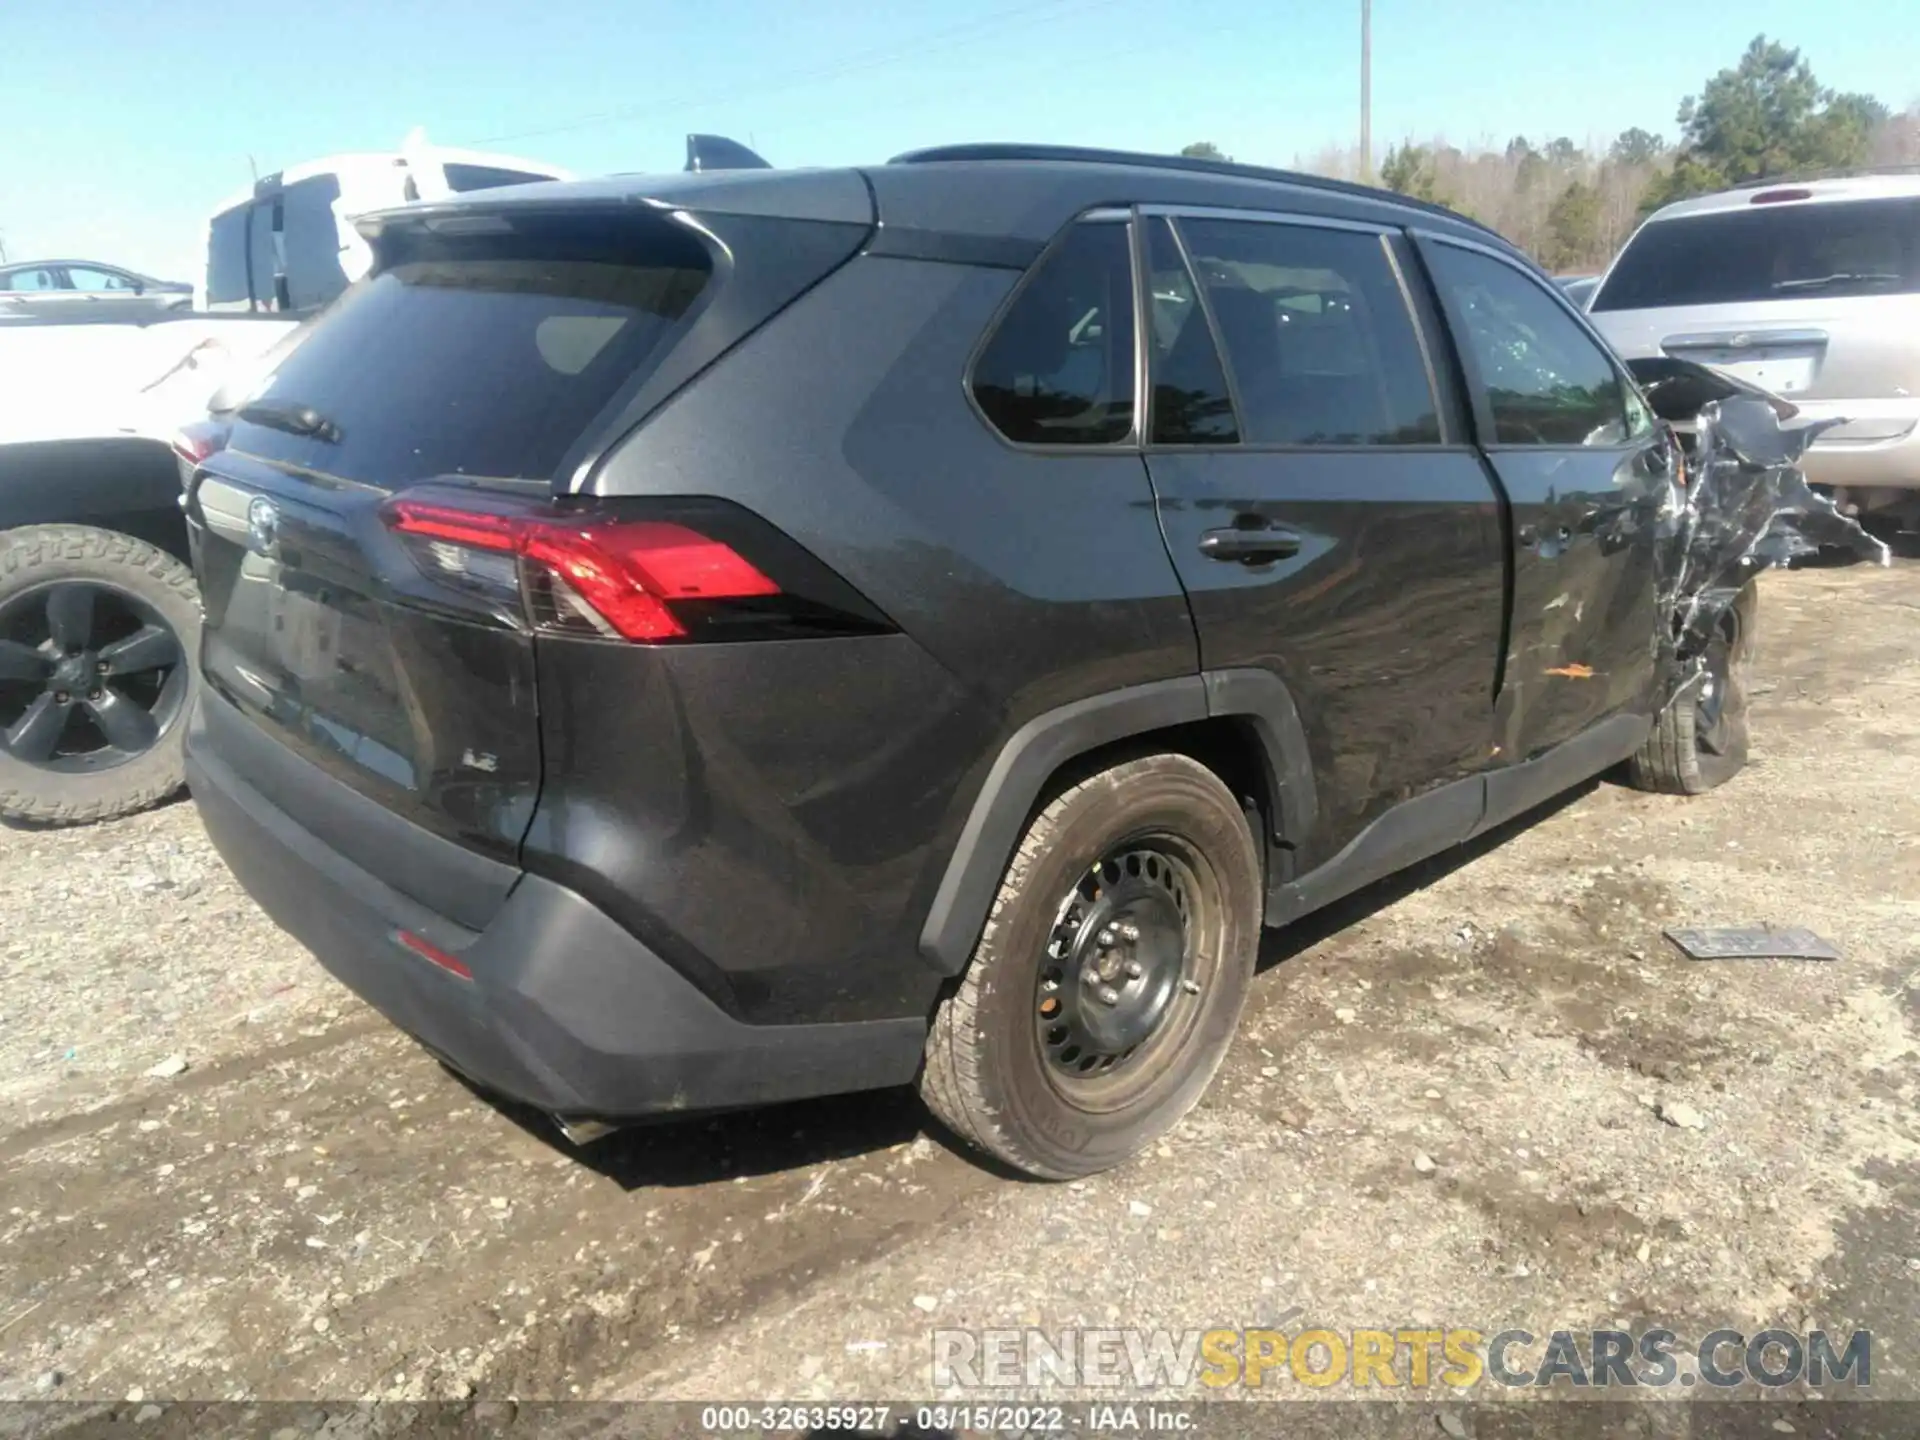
{"points": [[1738, 505]]}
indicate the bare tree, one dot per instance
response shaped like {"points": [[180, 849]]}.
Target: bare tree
{"points": [[1573, 206]]}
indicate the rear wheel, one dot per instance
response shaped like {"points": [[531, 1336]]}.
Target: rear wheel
{"points": [[1700, 741], [97, 632], [1110, 976]]}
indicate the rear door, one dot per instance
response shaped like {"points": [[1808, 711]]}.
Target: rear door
{"points": [[1322, 502], [1578, 455]]}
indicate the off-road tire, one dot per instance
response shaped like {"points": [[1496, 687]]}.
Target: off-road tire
{"points": [[38, 554], [985, 1076], [1673, 761]]}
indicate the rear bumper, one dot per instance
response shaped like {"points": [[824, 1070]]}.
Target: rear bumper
{"points": [[1877, 449], [565, 1010]]}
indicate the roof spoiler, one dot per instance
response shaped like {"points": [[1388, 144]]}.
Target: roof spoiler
{"points": [[716, 152]]}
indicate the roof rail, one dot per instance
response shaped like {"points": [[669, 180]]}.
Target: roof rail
{"points": [[1858, 172], [1090, 155]]}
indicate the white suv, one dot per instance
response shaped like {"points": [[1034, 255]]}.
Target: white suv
{"points": [[1809, 289]]}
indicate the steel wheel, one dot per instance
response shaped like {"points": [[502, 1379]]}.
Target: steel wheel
{"points": [[1105, 988], [91, 677], [1120, 959]]}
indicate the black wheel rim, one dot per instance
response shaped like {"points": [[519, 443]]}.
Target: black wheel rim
{"points": [[1710, 727], [1127, 959], [91, 677]]}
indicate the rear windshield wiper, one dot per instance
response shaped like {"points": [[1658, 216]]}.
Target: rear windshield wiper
{"points": [[294, 419], [1843, 277]]}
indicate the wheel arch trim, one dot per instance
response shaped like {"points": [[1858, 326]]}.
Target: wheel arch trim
{"points": [[1036, 751]]}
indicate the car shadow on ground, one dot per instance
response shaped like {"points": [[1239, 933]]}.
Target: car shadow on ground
{"points": [[674, 1153], [1282, 945]]}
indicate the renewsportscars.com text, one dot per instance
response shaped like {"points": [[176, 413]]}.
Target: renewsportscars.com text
{"points": [[1414, 1358]]}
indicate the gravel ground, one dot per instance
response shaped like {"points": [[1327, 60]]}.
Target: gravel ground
{"points": [[312, 1207]]}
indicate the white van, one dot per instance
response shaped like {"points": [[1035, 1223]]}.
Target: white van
{"points": [[1807, 288]]}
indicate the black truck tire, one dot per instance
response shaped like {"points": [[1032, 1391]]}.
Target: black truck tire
{"points": [[1700, 741], [1110, 976], [98, 636]]}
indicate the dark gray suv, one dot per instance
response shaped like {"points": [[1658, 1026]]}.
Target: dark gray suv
{"points": [[692, 641]]}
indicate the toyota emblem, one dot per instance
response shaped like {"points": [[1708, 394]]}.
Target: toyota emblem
{"points": [[263, 525]]}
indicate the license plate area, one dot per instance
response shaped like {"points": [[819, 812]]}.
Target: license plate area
{"points": [[315, 630]]}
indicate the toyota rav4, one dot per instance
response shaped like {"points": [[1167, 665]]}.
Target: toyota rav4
{"points": [[685, 642]]}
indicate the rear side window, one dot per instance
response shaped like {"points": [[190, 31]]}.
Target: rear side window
{"points": [[227, 257], [261, 256], [294, 231], [1769, 252], [461, 178], [481, 355], [1058, 369], [310, 242], [1546, 380], [32, 280], [1192, 404], [1317, 333]]}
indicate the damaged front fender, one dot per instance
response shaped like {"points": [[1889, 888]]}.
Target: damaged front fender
{"points": [[1738, 505]]}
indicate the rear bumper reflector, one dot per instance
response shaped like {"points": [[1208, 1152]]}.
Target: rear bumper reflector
{"points": [[433, 954]]}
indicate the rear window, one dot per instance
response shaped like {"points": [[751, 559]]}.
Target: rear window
{"points": [[294, 231], [310, 239], [482, 355], [1769, 252], [462, 178], [227, 257]]}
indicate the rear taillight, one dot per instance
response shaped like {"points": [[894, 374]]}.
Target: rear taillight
{"points": [[1779, 197], [196, 440], [670, 571]]}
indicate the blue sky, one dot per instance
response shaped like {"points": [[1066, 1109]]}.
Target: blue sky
{"points": [[127, 121]]}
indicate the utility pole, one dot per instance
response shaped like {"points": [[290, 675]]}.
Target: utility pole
{"points": [[1366, 90]]}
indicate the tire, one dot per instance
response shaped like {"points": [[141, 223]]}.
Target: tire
{"points": [[128, 606], [1694, 747], [1158, 847]]}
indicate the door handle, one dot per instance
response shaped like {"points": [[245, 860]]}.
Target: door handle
{"points": [[1250, 546]]}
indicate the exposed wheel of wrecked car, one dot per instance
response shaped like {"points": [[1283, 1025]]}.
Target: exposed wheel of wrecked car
{"points": [[1110, 977], [97, 632], [1700, 740]]}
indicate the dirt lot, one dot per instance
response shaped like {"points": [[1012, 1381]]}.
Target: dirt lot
{"points": [[314, 1208]]}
